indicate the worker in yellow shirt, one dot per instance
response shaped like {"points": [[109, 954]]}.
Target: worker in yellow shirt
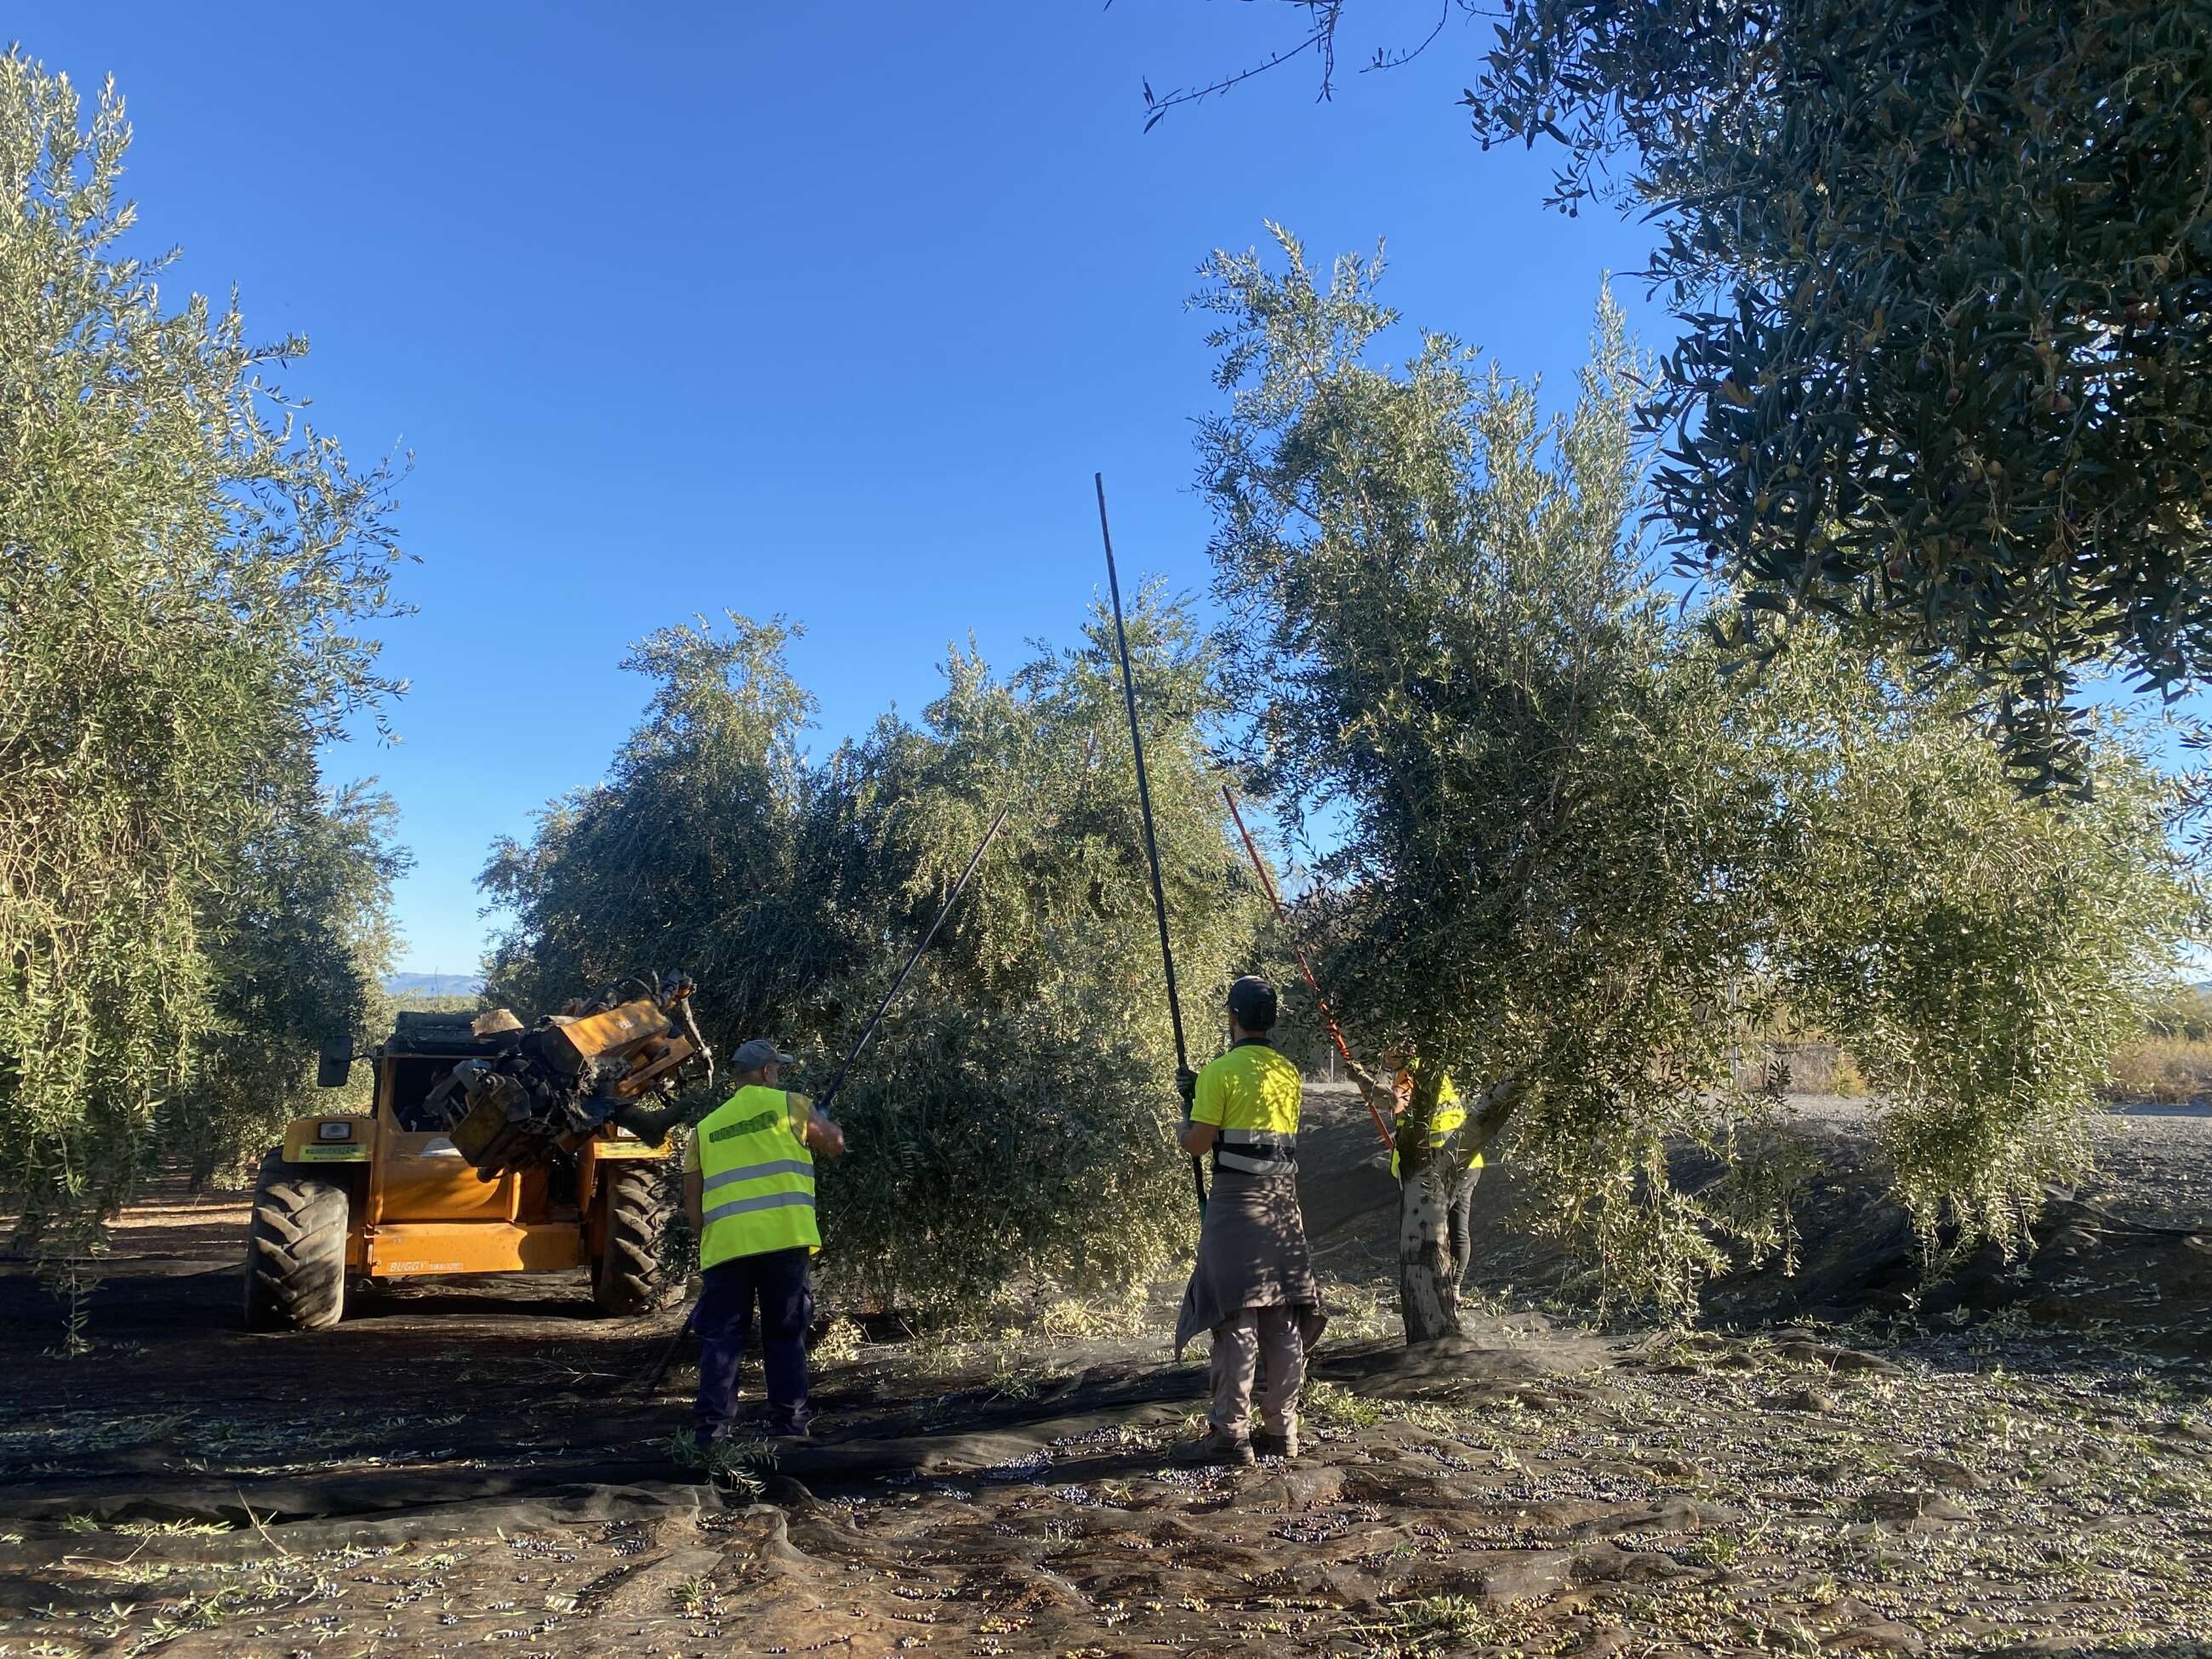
{"points": [[749, 1193], [1253, 1286], [1450, 1114]]}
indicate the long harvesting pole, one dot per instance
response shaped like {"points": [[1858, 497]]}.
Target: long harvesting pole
{"points": [[1145, 802], [1268, 886], [837, 1078]]}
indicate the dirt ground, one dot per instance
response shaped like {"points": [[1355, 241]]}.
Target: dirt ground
{"points": [[2018, 1458]]}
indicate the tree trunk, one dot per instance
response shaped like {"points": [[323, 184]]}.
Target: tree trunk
{"points": [[1427, 1299], [1428, 1289]]}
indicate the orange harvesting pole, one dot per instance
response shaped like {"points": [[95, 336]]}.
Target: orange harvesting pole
{"points": [[1268, 886]]}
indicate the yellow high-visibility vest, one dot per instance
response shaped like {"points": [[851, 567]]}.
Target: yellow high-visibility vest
{"points": [[1450, 1112], [757, 1176]]}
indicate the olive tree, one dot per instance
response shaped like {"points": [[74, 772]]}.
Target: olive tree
{"points": [[298, 932], [1010, 1122], [1981, 955], [1011, 1130], [1572, 860], [185, 569], [1446, 640], [1946, 272]]}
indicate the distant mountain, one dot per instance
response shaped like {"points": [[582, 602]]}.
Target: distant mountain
{"points": [[432, 984]]}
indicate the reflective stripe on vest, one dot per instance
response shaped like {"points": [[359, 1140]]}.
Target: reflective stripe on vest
{"points": [[1256, 1151], [755, 1172], [756, 1179]]}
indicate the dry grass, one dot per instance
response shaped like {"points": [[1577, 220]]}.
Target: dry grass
{"points": [[2164, 1068], [2170, 1065]]}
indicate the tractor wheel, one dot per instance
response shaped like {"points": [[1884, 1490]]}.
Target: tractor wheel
{"points": [[295, 1251], [628, 1278]]}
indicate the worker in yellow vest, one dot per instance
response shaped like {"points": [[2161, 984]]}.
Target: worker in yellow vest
{"points": [[749, 1192], [1450, 1112], [1253, 1286]]}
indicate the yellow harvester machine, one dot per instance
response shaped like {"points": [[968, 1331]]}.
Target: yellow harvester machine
{"points": [[489, 1148]]}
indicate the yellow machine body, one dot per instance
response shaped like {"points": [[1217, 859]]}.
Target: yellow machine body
{"points": [[351, 1198], [416, 1205], [608, 1032]]}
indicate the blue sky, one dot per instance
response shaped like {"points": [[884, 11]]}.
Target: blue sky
{"points": [[824, 312]]}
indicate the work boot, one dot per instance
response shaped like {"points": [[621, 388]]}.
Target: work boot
{"points": [[1216, 1446], [1283, 1445]]}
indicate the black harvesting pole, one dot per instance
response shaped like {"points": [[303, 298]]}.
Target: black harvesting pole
{"points": [[837, 1078], [1144, 801]]}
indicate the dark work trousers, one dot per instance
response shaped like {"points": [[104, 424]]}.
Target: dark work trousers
{"points": [[1459, 1219], [724, 1319]]}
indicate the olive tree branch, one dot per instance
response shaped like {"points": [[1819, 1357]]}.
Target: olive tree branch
{"points": [[1321, 38]]}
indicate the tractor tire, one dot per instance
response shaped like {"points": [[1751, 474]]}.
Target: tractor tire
{"points": [[295, 1251], [629, 1278]]}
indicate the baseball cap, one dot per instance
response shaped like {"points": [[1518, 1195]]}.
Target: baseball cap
{"points": [[759, 1052], [1252, 1000]]}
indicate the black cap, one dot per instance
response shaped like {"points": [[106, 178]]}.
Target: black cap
{"points": [[1252, 1001]]}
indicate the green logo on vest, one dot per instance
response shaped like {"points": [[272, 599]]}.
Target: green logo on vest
{"points": [[745, 1126]]}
